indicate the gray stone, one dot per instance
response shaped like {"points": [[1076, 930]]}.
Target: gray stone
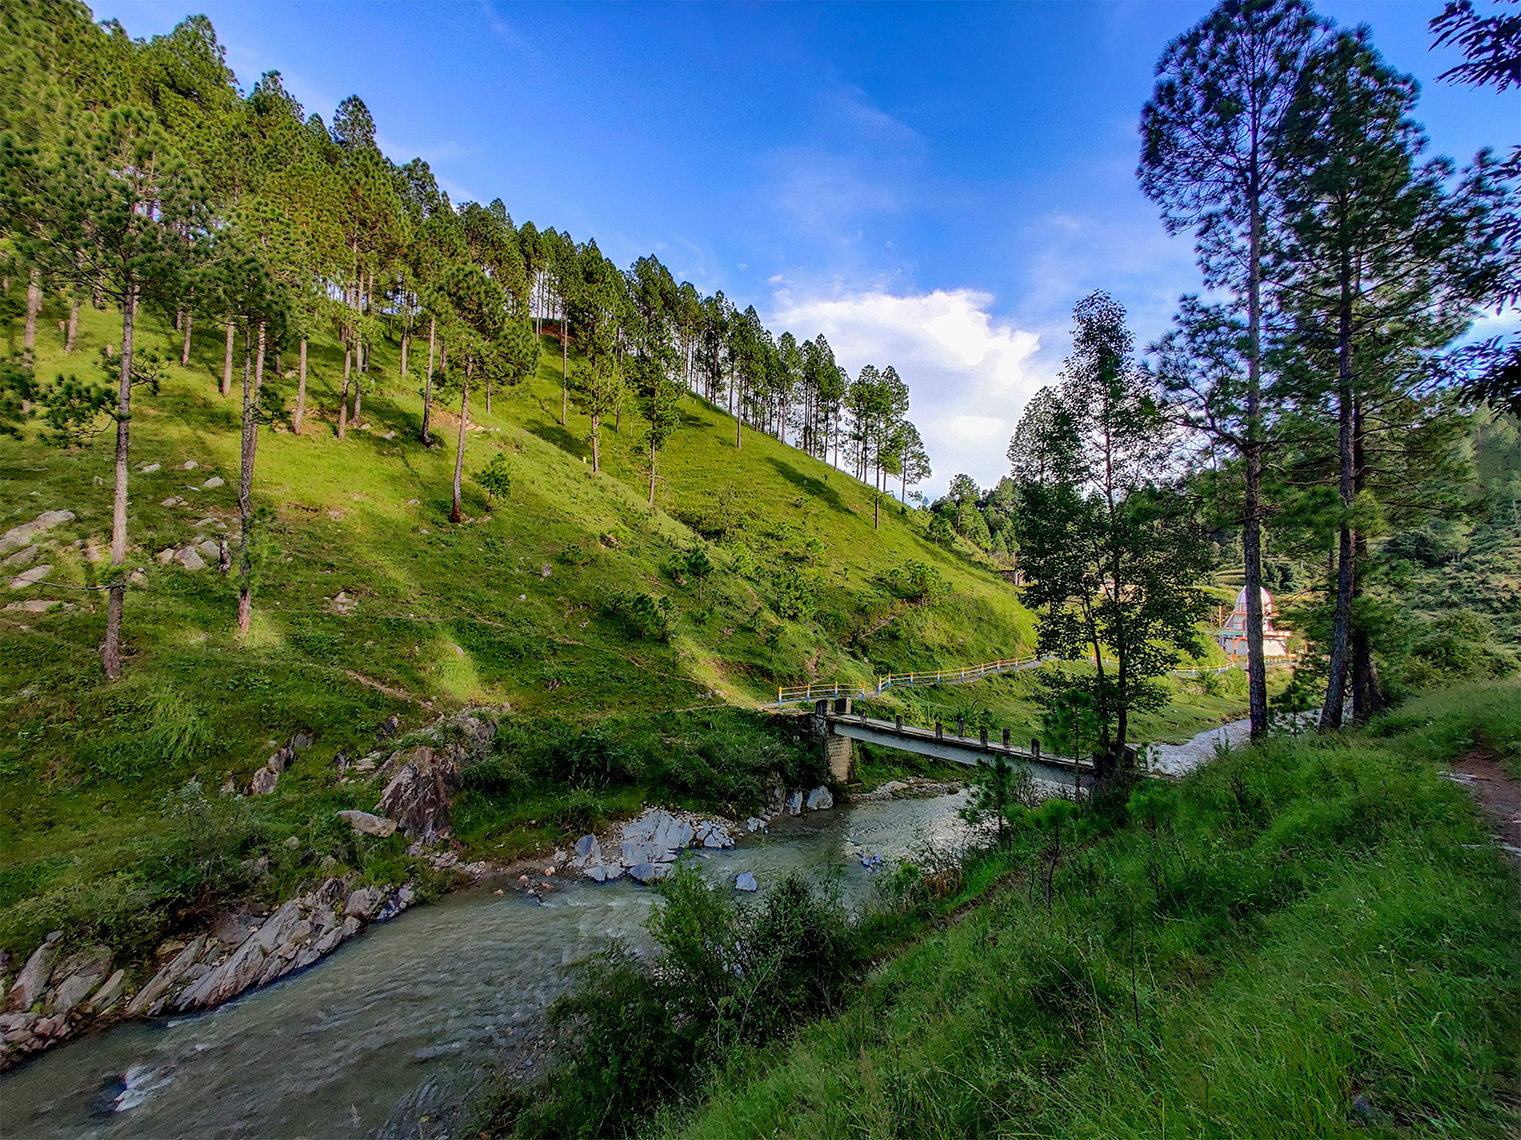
{"points": [[820, 799], [301, 742], [264, 782], [173, 501], [74, 978], [331, 891], [588, 851], [795, 804], [23, 534], [893, 786], [745, 881], [649, 872], [420, 796], [363, 902], [150, 468], [279, 927], [22, 557], [187, 557], [363, 821], [210, 549], [755, 823], [189, 465], [108, 995], [33, 978], [212, 484], [28, 578], [233, 976], [32, 606], [153, 993], [165, 556]]}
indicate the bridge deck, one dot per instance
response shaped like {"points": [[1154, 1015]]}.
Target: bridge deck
{"points": [[960, 749]]}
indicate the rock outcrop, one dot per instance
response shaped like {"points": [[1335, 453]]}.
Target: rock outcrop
{"points": [[54, 994]]}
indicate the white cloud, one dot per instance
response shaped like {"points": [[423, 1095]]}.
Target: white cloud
{"points": [[969, 373]]}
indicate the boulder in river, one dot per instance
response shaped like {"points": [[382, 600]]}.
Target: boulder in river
{"points": [[820, 799], [745, 881]]}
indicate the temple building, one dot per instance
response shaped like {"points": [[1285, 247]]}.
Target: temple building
{"points": [[1232, 635]]}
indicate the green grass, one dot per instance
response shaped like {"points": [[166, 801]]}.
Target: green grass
{"points": [[446, 615], [1319, 940]]}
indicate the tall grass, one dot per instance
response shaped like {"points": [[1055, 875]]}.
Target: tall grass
{"points": [[1310, 938]]}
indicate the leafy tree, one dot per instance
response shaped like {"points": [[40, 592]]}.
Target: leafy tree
{"points": [[995, 792], [495, 478], [1384, 272], [697, 566], [963, 492], [1216, 157], [118, 207], [1111, 563]]}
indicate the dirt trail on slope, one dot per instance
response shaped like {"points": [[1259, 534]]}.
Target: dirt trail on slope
{"points": [[1499, 796]]}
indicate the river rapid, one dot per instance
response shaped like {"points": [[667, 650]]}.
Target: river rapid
{"points": [[387, 1036]]}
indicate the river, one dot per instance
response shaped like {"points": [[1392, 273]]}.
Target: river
{"points": [[387, 1035]]}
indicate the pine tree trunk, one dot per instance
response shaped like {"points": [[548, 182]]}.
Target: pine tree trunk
{"points": [[459, 452], [1367, 697], [405, 338], [111, 651], [564, 372], [227, 364], [185, 349], [358, 394], [1251, 530], [488, 397], [73, 335], [343, 399], [652, 472], [596, 424], [33, 307], [428, 383], [1341, 620], [247, 454], [739, 439], [300, 391]]}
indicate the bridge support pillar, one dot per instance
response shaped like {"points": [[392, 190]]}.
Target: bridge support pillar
{"points": [[839, 751]]}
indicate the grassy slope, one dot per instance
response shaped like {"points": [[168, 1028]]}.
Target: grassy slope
{"points": [[446, 615], [1317, 922]]}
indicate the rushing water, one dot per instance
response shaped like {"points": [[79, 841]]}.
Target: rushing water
{"points": [[387, 1035]]}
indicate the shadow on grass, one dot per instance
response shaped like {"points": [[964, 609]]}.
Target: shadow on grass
{"points": [[816, 488]]}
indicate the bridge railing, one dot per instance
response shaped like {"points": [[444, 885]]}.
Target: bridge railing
{"points": [[810, 693], [806, 694], [955, 676]]}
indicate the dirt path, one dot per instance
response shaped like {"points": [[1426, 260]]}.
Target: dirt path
{"points": [[1499, 796]]}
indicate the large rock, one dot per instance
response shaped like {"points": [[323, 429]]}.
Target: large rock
{"points": [[264, 781], [151, 997], [649, 872], [108, 995], [75, 978], [745, 881], [420, 796], [361, 904], [33, 978], [188, 558], [795, 804], [28, 578], [23, 534], [363, 821], [820, 799], [420, 792]]}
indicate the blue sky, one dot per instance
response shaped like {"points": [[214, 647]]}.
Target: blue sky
{"points": [[932, 186]]}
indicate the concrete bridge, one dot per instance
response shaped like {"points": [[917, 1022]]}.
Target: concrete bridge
{"points": [[839, 727]]}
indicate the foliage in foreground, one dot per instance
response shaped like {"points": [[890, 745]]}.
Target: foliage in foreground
{"points": [[731, 975], [1308, 938]]}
